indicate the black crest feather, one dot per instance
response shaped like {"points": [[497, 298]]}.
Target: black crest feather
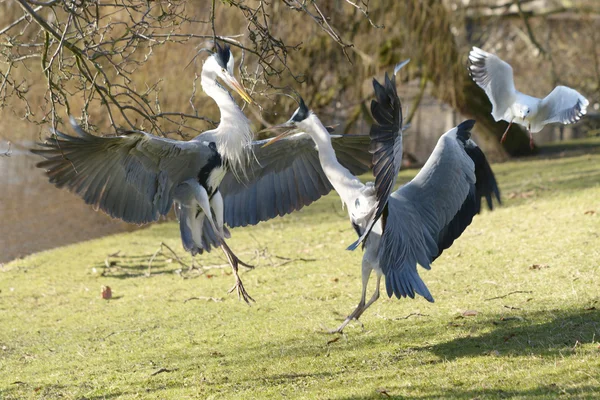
{"points": [[222, 54], [302, 112]]}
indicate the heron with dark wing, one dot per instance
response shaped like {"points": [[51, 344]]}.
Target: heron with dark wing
{"points": [[417, 222], [220, 177]]}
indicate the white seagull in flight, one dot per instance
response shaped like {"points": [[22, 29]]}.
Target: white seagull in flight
{"points": [[495, 76]]}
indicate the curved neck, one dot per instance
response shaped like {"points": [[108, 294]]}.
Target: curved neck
{"points": [[340, 178], [233, 136], [228, 108]]}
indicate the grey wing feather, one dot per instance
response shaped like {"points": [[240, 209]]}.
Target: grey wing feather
{"points": [[129, 177], [386, 147], [427, 214], [495, 77], [563, 104], [286, 176]]}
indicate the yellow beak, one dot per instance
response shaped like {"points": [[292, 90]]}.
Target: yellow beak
{"points": [[235, 85], [289, 130]]}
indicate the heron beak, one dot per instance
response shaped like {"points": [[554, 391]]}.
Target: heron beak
{"points": [[289, 129], [235, 85]]}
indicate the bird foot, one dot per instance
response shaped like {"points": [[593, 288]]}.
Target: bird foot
{"points": [[241, 291], [340, 329]]}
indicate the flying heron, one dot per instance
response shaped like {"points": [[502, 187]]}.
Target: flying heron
{"points": [[221, 176], [495, 77], [417, 222]]}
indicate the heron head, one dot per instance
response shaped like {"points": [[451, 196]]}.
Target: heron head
{"points": [[221, 63], [300, 115]]}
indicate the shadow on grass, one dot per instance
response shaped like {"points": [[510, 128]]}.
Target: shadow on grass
{"points": [[545, 333], [550, 391]]}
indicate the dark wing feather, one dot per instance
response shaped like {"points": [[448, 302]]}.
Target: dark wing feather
{"points": [[286, 176], [386, 147], [426, 215], [129, 177]]}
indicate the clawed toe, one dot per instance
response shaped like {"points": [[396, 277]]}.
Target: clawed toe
{"points": [[241, 292]]}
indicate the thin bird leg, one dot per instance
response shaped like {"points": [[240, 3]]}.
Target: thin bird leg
{"points": [[530, 138], [373, 299], [366, 273], [234, 261], [503, 139], [360, 309]]}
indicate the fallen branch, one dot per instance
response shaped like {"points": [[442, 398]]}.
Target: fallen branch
{"points": [[160, 251], [290, 260], [215, 299], [160, 371], [508, 294]]}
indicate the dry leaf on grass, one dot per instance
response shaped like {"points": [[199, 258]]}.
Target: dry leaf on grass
{"points": [[539, 266], [106, 292]]}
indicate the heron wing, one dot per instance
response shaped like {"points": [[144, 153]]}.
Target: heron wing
{"points": [[386, 147], [426, 215], [495, 77], [563, 104], [130, 177], [286, 176]]}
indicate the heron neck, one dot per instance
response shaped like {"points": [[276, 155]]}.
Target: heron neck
{"points": [[233, 136], [230, 111], [340, 178]]}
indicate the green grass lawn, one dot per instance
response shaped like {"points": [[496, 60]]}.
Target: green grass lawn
{"points": [[516, 312]]}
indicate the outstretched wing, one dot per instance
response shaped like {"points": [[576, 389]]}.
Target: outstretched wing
{"points": [[129, 177], [495, 77], [563, 104], [286, 176], [426, 215], [386, 146]]}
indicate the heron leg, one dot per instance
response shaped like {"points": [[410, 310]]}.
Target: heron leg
{"points": [[373, 298], [234, 261], [360, 308], [216, 202], [503, 139]]}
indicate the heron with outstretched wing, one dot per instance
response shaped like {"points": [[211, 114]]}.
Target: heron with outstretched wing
{"points": [[219, 177], [415, 223]]}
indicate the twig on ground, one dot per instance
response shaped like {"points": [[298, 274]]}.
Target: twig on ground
{"points": [[415, 314], [161, 252], [508, 294], [117, 332], [215, 299], [160, 371]]}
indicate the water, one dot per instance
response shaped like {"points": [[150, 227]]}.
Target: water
{"points": [[35, 215]]}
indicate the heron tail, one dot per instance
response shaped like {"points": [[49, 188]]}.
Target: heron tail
{"points": [[406, 282]]}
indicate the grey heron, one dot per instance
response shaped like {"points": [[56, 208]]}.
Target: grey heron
{"points": [[219, 177], [417, 222], [495, 77]]}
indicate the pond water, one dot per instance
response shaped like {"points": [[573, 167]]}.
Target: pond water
{"points": [[35, 215]]}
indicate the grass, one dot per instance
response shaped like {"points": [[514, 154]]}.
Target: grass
{"points": [[526, 275]]}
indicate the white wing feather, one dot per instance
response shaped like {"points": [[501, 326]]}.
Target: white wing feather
{"points": [[495, 77], [563, 104]]}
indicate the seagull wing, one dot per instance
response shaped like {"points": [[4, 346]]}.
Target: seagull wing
{"points": [[495, 77], [386, 146], [563, 104], [130, 177], [426, 215], [286, 176]]}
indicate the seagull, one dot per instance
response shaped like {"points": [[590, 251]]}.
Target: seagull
{"points": [[495, 77], [417, 222]]}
